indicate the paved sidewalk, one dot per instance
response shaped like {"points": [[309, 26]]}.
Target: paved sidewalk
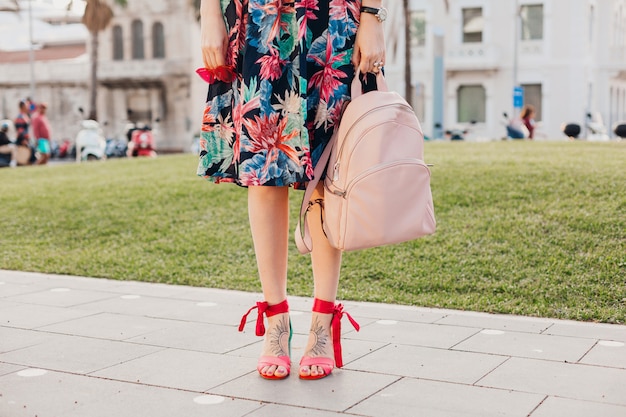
{"points": [[85, 347]]}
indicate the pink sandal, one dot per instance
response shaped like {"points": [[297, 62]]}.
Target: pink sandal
{"points": [[269, 311], [328, 364]]}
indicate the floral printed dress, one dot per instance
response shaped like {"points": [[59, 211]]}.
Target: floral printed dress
{"points": [[291, 61]]}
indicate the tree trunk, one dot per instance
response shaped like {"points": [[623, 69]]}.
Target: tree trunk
{"points": [[93, 92], [408, 83]]}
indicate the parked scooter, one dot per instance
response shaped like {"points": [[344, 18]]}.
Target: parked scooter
{"points": [[141, 143], [90, 142]]}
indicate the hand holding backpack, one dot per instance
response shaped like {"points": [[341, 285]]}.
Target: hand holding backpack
{"points": [[377, 186]]}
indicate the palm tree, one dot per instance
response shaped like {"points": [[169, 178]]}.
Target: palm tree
{"points": [[97, 17]]}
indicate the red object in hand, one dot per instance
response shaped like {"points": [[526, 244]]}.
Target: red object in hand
{"points": [[221, 73]]}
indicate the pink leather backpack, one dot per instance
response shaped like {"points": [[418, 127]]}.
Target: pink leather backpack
{"points": [[377, 186]]}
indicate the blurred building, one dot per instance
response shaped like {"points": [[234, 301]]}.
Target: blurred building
{"points": [[147, 57], [568, 55]]}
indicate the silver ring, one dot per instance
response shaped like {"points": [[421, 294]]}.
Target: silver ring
{"points": [[378, 64]]}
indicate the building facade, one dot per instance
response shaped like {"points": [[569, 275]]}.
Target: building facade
{"points": [[569, 56], [147, 57]]}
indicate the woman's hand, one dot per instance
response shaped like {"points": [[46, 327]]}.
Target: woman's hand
{"points": [[213, 36], [369, 46]]}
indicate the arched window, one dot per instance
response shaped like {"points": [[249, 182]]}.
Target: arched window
{"points": [[158, 41], [137, 30], [118, 43]]}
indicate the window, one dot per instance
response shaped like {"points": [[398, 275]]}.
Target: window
{"points": [[533, 96], [532, 22], [418, 28], [137, 29], [158, 41], [473, 25], [471, 104], [118, 43]]}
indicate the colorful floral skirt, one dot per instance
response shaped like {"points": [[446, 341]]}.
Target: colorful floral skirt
{"points": [[293, 70]]}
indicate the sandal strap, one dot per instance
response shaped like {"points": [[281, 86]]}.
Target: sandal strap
{"points": [[264, 308], [328, 307]]}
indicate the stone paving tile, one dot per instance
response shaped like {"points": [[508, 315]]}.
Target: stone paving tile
{"points": [[14, 339], [589, 330], [417, 334], [394, 312], [27, 316], [109, 326], [527, 345], [8, 304], [173, 368], [490, 321], [76, 354], [339, 391], [68, 395], [140, 400], [60, 297], [574, 381], [607, 353], [8, 289], [19, 277], [273, 410], [157, 307], [7, 368], [414, 397], [428, 363], [199, 337], [563, 407]]}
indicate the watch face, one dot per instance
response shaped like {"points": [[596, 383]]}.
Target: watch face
{"points": [[382, 14]]}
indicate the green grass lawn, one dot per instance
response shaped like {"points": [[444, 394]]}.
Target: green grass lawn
{"points": [[527, 228]]}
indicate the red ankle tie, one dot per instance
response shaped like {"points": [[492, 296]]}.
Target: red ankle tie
{"points": [[328, 307], [264, 308]]}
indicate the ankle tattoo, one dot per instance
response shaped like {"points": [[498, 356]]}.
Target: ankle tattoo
{"points": [[321, 338], [276, 336]]}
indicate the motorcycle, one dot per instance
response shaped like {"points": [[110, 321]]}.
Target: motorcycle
{"points": [[90, 142], [141, 143]]}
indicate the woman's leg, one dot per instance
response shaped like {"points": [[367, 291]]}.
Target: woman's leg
{"points": [[268, 211], [326, 262]]}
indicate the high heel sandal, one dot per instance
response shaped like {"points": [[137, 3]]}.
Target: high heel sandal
{"points": [[269, 311], [328, 364]]}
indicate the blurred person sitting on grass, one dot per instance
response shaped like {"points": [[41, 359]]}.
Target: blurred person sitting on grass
{"points": [[8, 156]]}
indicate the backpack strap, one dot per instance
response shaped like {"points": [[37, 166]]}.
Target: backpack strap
{"points": [[304, 242]]}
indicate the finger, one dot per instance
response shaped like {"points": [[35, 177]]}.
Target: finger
{"points": [[356, 58]]}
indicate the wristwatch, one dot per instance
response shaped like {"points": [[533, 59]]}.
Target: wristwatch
{"points": [[380, 13]]}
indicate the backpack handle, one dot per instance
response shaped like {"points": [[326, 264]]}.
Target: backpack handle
{"points": [[356, 89]]}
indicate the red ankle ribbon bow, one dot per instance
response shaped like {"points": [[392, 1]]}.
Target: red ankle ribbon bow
{"points": [[336, 326], [222, 73], [260, 327], [264, 308]]}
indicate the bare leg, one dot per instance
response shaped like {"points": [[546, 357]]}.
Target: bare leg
{"points": [[268, 210], [326, 262]]}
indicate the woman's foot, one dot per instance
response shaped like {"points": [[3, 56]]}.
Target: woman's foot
{"points": [[275, 362], [276, 346], [318, 360]]}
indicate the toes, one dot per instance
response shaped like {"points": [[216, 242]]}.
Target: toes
{"points": [[317, 371], [305, 371]]}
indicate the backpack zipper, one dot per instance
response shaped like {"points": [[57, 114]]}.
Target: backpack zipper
{"points": [[337, 164]]}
